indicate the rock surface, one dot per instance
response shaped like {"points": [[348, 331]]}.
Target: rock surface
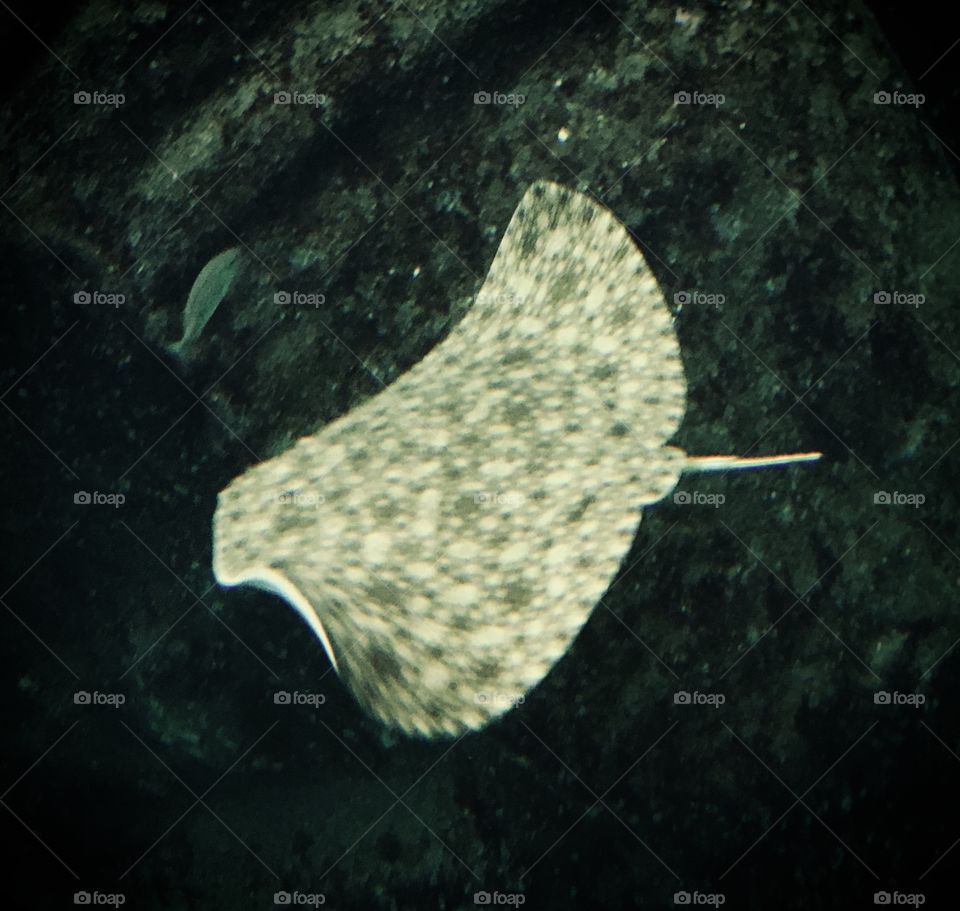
{"points": [[383, 192]]}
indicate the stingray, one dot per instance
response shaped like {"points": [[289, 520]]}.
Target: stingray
{"points": [[447, 539]]}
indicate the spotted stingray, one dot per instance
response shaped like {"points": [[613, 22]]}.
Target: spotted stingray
{"points": [[447, 539]]}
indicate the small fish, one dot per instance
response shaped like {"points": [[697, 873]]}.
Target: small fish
{"points": [[209, 289]]}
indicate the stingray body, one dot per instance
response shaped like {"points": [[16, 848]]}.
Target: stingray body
{"points": [[447, 539]]}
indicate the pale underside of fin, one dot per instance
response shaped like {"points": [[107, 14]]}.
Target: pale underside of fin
{"points": [[447, 539], [271, 581]]}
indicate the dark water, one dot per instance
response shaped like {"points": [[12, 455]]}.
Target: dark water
{"points": [[811, 613]]}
